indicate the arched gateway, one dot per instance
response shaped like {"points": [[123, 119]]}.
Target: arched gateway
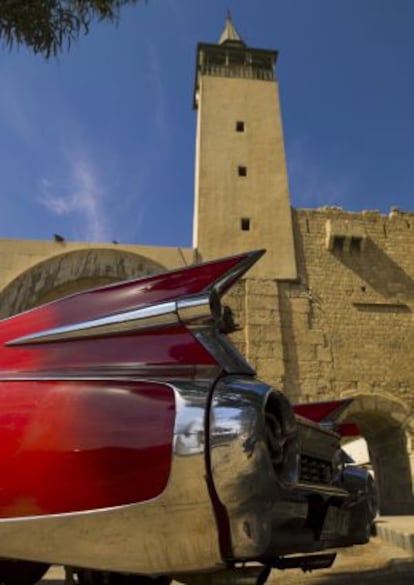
{"points": [[71, 272], [388, 428]]}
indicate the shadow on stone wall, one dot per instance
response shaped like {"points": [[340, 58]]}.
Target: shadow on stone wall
{"points": [[378, 270], [287, 291], [290, 352]]}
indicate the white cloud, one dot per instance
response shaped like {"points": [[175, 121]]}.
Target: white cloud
{"points": [[84, 196]]}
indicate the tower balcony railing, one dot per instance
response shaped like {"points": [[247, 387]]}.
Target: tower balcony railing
{"points": [[241, 71]]}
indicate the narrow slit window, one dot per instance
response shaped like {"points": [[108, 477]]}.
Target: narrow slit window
{"points": [[242, 171], [245, 224], [239, 126]]}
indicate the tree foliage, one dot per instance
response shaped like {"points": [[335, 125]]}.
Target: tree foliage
{"points": [[51, 26]]}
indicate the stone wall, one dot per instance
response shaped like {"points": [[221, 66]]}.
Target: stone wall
{"points": [[34, 272], [352, 310], [345, 328]]}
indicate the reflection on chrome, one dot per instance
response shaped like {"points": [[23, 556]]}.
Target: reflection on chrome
{"points": [[191, 441], [191, 405], [202, 310], [222, 350], [252, 459]]}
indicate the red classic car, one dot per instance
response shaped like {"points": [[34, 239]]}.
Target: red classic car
{"points": [[136, 444]]}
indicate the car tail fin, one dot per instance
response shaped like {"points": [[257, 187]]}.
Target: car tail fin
{"points": [[329, 413], [115, 299]]}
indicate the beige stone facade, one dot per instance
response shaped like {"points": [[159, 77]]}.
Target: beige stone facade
{"points": [[344, 329], [241, 175], [327, 313]]}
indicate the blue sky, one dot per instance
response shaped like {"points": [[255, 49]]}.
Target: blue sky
{"points": [[99, 144]]}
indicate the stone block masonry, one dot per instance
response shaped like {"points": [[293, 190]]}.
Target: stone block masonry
{"points": [[344, 328]]}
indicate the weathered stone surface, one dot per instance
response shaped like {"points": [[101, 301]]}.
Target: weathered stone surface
{"points": [[346, 331], [49, 270]]}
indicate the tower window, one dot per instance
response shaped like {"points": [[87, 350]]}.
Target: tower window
{"points": [[242, 171], [239, 126], [245, 224]]}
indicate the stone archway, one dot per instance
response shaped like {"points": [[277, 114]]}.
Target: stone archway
{"points": [[387, 426], [71, 272]]}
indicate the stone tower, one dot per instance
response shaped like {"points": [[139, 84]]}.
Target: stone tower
{"points": [[241, 186], [327, 313]]}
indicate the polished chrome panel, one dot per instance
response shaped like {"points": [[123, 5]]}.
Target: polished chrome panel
{"points": [[232, 275], [159, 315], [173, 533], [244, 478], [282, 438], [199, 310], [223, 351]]}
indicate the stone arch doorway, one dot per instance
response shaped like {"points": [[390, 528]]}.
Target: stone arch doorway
{"points": [[72, 272], [388, 429]]}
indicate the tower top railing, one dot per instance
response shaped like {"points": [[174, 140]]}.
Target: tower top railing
{"points": [[233, 59], [241, 71]]}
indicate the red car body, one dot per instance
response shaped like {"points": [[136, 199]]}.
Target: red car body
{"points": [[134, 439]]}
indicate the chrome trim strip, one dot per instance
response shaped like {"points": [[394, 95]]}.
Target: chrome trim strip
{"points": [[127, 373], [223, 351], [190, 311], [223, 283], [324, 489], [138, 319], [196, 310]]}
